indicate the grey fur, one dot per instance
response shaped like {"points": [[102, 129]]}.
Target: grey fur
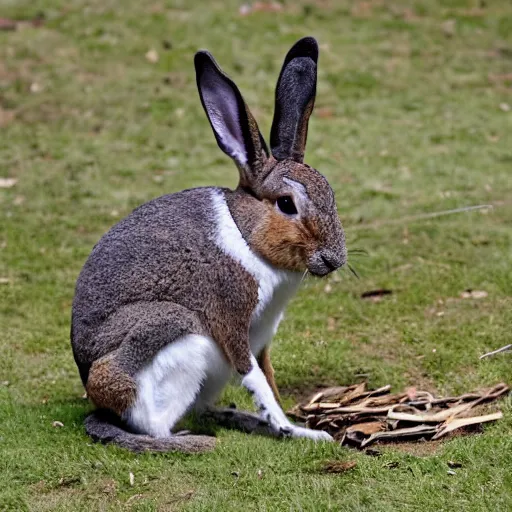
{"points": [[297, 80], [159, 267], [103, 426]]}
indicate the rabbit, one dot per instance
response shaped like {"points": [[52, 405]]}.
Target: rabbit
{"points": [[189, 289]]}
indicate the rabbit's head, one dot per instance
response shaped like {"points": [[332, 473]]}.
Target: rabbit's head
{"points": [[291, 206]]}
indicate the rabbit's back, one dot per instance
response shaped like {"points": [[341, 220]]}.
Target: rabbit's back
{"points": [[163, 251]]}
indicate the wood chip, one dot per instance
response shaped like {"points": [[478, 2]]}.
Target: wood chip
{"points": [[368, 428], [8, 182], [474, 294], [401, 434], [152, 56], [455, 424]]}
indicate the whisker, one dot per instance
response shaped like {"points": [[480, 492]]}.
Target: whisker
{"points": [[361, 252], [352, 269]]}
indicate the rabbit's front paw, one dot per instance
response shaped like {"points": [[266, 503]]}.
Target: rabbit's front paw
{"points": [[315, 435], [286, 429]]}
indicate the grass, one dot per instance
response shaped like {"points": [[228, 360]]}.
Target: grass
{"points": [[412, 117]]}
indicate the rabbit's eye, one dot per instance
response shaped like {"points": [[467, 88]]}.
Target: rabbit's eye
{"points": [[286, 205]]}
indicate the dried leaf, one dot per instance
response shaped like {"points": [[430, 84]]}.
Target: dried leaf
{"points": [[368, 428], [376, 295], [57, 424], [334, 393], [430, 417], [401, 434], [450, 426], [152, 56], [7, 24], [35, 87], [8, 182], [474, 294]]}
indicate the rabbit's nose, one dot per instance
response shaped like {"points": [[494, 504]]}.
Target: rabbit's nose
{"points": [[333, 260], [326, 261]]}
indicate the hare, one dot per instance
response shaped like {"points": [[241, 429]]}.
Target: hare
{"points": [[189, 289]]}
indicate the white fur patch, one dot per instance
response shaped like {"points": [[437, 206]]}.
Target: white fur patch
{"points": [[264, 399], [169, 385], [275, 286]]}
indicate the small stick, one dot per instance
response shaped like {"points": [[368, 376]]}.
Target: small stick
{"points": [[421, 216], [506, 348]]}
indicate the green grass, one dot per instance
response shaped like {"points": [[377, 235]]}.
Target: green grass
{"points": [[408, 121]]}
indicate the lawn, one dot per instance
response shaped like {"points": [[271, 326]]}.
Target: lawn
{"points": [[99, 113]]}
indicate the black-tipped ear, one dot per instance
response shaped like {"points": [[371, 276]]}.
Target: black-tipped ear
{"points": [[233, 125], [295, 98]]}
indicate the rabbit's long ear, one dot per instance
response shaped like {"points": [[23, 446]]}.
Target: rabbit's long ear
{"points": [[295, 98], [234, 126]]}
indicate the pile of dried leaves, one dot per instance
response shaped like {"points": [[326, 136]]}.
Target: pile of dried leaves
{"points": [[358, 417]]}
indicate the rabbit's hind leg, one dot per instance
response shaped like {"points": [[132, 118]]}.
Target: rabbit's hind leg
{"points": [[109, 386], [154, 375], [169, 385]]}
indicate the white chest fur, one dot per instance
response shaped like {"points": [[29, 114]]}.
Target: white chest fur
{"points": [[275, 286]]}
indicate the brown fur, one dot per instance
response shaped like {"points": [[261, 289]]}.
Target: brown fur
{"points": [[281, 241], [109, 387], [268, 370]]}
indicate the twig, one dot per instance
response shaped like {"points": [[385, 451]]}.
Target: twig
{"points": [[506, 348], [421, 216]]}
